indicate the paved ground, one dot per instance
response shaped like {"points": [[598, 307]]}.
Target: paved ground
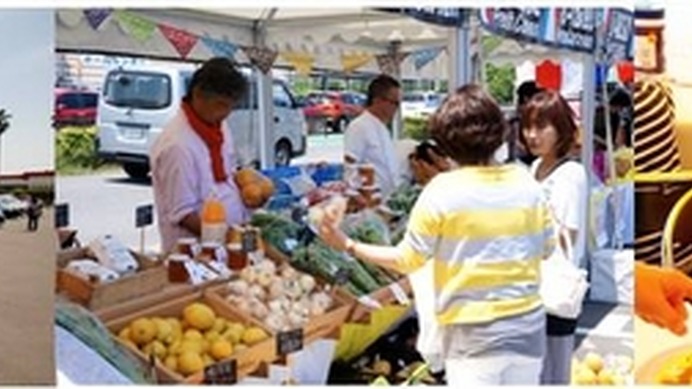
{"points": [[26, 303]]}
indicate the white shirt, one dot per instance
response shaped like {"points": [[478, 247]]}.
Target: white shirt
{"points": [[367, 140], [566, 192], [183, 179]]}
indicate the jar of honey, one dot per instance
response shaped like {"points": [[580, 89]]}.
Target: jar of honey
{"points": [[187, 246], [177, 270], [237, 257]]}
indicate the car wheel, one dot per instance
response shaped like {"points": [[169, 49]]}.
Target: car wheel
{"points": [[136, 171], [339, 125], [282, 153]]}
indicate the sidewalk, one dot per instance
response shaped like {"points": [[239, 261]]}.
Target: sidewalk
{"points": [[606, 329]]}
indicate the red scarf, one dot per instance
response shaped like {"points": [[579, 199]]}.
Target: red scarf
{"points": [[212, 136]]}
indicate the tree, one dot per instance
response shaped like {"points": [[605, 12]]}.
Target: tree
{"points": [[4, 121], [500, 81]]}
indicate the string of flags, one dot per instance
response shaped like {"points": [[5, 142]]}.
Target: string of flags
{"points": [[143, 29]]}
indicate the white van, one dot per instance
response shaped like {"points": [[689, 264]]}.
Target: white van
{"points": [[138, 101]]}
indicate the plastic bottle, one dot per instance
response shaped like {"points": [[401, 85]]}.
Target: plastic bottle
{"points": [[214, 227]]}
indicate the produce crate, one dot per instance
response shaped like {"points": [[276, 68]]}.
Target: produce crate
{"points": [[247, 361], [317, 327], [150, 278]]}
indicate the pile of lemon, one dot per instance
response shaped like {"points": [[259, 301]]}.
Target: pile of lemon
{"points": [[593, 370], [188, 344]]}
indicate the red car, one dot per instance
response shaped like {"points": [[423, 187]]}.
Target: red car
{"points": [[74, 107], [334, 109]]}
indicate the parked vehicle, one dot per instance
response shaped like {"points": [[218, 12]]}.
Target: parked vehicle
{"points": [[11, 206], [420, 104], [334, 109], [74, 107], [138, 101]]}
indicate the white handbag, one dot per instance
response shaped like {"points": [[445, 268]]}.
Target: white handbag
{"points": [[563, 285]]}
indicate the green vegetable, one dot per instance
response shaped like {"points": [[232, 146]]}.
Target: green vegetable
{"points": [[278, 231]]}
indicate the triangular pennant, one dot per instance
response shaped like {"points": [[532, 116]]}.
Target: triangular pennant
{"points": [[389, 63], [137, 27], [96, 16], [69, 17], [425, 56], [302, 62], [182, 40], [220, 47], [261, 57], [353, 61]]}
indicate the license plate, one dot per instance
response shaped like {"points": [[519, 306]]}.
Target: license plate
{"points": [[133, 133]]}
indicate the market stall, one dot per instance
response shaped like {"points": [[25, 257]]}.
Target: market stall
{"points": [[271, 303]]}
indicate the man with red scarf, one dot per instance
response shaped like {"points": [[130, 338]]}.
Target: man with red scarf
{"points": [[194, 158]]}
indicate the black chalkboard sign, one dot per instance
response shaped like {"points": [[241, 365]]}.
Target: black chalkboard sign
{"points": [[249, 241], [289, 341], [62, 215], [222, 373], [144, 216]]}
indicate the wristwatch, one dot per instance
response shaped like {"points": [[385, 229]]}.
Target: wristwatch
{"points": [[351, 247]]}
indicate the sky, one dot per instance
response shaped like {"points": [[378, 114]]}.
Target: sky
{"points": [[26, 89]]}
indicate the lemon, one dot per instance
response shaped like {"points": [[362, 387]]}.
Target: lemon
{"points": [[142, 331], [219, 325], [221, 349], [124, 334], [171, 362], [199, 316], [190, 363], [594, 362], [192, 334], [254, 335], [211, 335]]}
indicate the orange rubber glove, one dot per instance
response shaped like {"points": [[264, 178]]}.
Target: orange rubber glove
{"points": [[660, 295]]}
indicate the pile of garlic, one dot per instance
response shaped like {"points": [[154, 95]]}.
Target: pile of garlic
{"points": [[283, 299]]}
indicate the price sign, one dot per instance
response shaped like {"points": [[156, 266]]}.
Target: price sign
{"points": [[289, 341], [222, 373], [619, 35], [62, 215], [249, 241], [144, 216]]}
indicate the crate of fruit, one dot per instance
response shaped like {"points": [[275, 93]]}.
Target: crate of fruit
{"points": [[194, 339]]}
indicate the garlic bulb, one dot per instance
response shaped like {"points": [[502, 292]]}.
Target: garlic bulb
{"points": [[322, 299], [275, 306], [249, 274], [276, 288], [316, 308], [289, 273], [295, 319], [275, 322], [257, 292], [258, 309], [264, 278], [307, 283], [267, 266], [293, 289], [238, 287]]}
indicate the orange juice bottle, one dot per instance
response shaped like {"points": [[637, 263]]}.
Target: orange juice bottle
{"points": [[214, 227]]}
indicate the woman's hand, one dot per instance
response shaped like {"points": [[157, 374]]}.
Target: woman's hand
{"points": [[330, 232]]}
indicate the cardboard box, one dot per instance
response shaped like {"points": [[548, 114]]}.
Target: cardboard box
{"points": [[152, 277]]}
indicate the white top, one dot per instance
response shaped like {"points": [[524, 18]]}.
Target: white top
{"points": [[566, 192], [367, 140], [183, 179]]}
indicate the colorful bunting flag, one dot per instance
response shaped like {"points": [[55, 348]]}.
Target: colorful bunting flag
{"points": [[220, 47], [353, 61], [425, 56], [302, 62], [137, 27], [96, 16], [389, 63], [182, 40], [261, 57]]}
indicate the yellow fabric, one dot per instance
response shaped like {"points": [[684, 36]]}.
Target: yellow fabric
{"points": [[485, 311], [485, 275]]}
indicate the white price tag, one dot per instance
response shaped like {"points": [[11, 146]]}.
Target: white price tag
{"points": [[399, 294], [369, 302], [194, 272], [221, 269]]}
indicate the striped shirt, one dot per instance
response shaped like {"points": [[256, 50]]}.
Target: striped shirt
{"points": [[486, 229]]}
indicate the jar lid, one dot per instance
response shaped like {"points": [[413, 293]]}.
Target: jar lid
{"points": [[187, 240], [179, 257]]}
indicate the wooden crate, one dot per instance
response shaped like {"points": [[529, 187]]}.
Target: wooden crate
{"points": [[247, 361], [152, 277], [318, 327]]}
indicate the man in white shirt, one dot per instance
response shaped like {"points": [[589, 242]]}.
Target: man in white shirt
{"points": [[193, 157], [367, 139]]}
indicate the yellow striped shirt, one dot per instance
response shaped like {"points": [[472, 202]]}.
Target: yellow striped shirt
{"points": [[487, 229]]}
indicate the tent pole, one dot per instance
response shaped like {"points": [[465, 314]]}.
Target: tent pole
{"points": [[264, 103], [459, 47]]}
